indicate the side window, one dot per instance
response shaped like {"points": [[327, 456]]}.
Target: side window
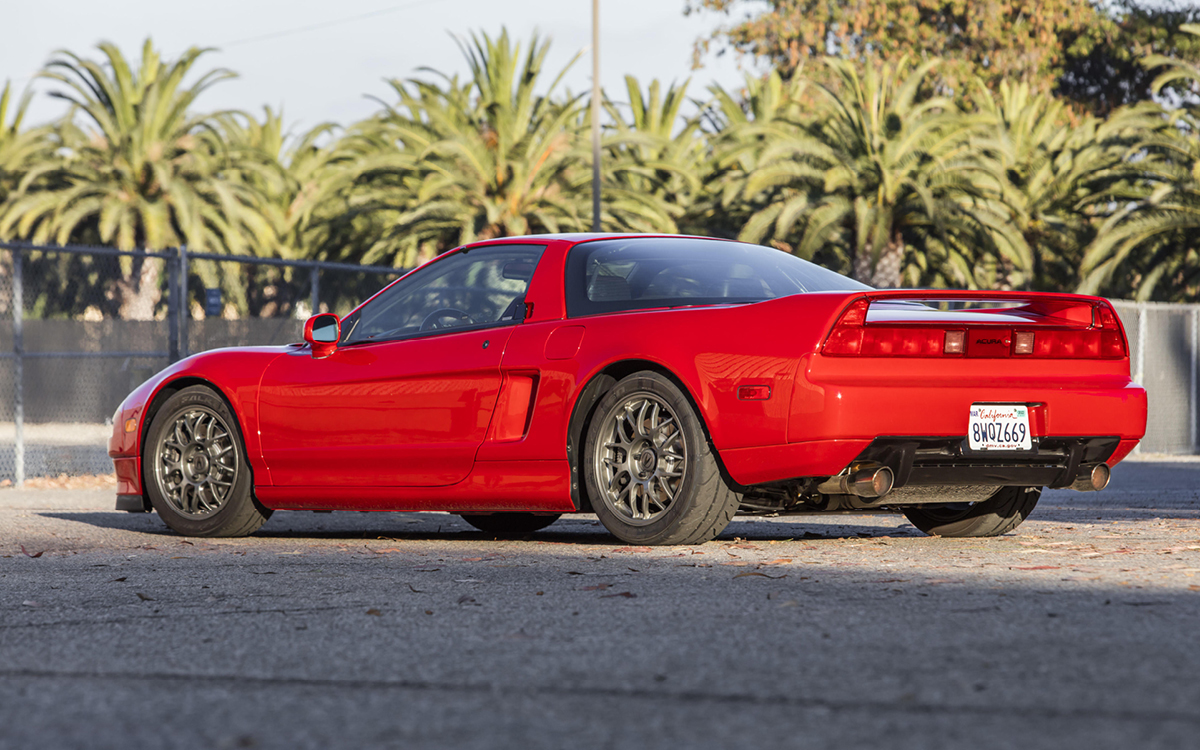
{"points": [[477, 288]]}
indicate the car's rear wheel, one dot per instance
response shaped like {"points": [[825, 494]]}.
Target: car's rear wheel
{"points": [[651, 474], [999, 514], [509, 524], [194, 463]]}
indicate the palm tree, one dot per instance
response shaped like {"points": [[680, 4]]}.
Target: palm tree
{"points": [[456, 162], [739, 127], [1059, 177], [890, 176], [19, 149], [142, 170], [1148, 248], [649, 170]]}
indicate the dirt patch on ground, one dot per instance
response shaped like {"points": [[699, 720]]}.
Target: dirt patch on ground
{"points": [[68, 482]]}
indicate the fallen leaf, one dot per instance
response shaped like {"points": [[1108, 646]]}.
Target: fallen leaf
{"points": [[429, 611], [118, 580], [1034, 567], [761, 575], [426, 570], [29, 554], [625, 594], [375, 612], [30, 603], [466, 599], [632, 549], [143, 597], [597, 587], [415, 591], [779, 561]]}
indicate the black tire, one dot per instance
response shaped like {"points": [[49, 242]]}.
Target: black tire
{"points": [[668, 464], [999, 514], [195, 468], [509, 524]]}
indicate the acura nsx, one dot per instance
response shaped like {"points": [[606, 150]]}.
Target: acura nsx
{"points": [[661, 382]]}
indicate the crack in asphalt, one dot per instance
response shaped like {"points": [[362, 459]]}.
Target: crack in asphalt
{"points": [[797, 701]]}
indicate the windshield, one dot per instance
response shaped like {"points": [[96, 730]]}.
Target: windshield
{"points": [[646, 272]]}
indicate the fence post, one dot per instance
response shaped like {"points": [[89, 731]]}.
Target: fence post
{"points": [[184, 312], [314, 286], [1195, 363], [172, 307], [18, 315]]}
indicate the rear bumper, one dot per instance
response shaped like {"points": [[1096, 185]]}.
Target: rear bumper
{"points": [[841, 407]]}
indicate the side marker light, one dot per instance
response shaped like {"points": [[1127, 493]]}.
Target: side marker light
{"points": [[754, 392], [130, 425]]}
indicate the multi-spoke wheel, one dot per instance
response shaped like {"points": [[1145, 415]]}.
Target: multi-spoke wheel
{"points": [[651, 475], [195, 467], [641, 459], [998, 514]]}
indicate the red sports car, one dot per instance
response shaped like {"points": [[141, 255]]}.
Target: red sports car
{"points": [[660, 382]]}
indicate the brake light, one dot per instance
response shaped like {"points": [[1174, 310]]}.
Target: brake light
{"points": [[853, 336]]}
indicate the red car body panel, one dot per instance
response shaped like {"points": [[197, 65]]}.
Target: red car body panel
{"points": [[480, 420]]}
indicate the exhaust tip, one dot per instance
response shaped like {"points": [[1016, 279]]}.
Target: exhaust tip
{"points": [[1093, 479], [872, 482]]}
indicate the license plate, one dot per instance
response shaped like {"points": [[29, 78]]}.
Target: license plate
{"points": [[999, 427]]}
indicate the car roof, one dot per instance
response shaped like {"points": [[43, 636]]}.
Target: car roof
{"points": [[577, 237]]}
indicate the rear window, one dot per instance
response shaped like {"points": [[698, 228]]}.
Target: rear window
{"points": [[637, 273]]}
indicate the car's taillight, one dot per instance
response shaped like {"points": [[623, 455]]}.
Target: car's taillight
{"points": [[1102, 341], [853, 336]]}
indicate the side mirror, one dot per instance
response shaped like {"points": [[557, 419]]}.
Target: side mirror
{"points": [[322, 332]]}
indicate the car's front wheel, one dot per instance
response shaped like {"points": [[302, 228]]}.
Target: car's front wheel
{"points": [[651, 474], [194, 464], [999, 514]]}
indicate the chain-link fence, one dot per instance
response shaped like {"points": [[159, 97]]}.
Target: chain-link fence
{"points": [[80, 327], [1164, 357]]}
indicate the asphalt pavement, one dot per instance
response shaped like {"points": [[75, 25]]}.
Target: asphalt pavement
{"points": [[413, 630]]}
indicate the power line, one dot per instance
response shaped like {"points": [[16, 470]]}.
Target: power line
{"points": [[326, 24]]}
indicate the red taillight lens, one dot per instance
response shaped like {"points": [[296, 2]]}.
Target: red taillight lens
{"points": [[886, 342], [852, 336]]}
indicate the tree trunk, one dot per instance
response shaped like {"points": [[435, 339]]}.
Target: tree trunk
{"points": [[890, 266], [885, 273], [140, 290]]}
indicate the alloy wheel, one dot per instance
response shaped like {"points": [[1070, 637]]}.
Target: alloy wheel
{"points": [[196, 462], [641, 458]]}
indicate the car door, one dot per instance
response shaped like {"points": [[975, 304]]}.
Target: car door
{"points": [[406, 397]]}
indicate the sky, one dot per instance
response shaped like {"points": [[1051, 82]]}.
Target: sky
{"points": [[319, 61]]}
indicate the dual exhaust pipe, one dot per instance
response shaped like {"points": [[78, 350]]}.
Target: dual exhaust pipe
{"points": [[876, 481]]}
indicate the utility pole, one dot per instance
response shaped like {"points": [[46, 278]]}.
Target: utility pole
{"points": [[595, 115]]}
